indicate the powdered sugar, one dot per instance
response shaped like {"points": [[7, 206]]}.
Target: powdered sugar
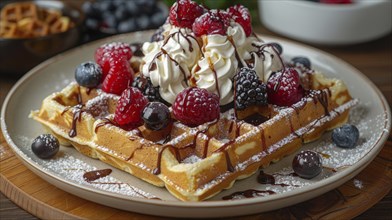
{"points": [[73, 170], [358, 184]]}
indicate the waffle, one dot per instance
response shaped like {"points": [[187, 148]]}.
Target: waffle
{"points": [[194, 163], [27, 20]]}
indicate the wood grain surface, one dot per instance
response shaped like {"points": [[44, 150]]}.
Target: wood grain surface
{"points": [[374, 200]]}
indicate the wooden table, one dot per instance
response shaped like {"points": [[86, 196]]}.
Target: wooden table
{"points": [[374, 59]]}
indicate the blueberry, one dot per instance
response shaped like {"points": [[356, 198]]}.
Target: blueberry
{"points": [[121, 13], [92, 23], [278, 47], [156, 116], [301, 61], [346, 136], [45, 146], [143, 22], [105, 6], [132, 8], [307, 164], [109, 20], [88, 74], [127, 25], [158, 19]]}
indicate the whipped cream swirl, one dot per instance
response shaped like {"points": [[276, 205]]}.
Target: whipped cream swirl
{"points": [[168, 62], [179, 61]]}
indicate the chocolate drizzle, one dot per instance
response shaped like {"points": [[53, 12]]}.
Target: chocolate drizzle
{"points": [[223, 149], [96, 174], [78, 110], [152, 66], [104, 122], [250, 193], [157, 170]]}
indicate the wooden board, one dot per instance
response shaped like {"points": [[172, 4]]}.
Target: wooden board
{"points": [[49, 202]]}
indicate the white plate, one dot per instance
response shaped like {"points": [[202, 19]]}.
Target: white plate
{"points": [[65, 171]]}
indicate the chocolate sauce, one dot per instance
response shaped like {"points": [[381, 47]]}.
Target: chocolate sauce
{"points": [[205, 152], [211, 66], [96, 174], [255, 119], [263, 143], [292, 128], [237, 56], [323, 99], [228, 160], [77, 113], [76, 117], [137, 49], [250, 193], [264, 178], [157, 170], [105, 122]]}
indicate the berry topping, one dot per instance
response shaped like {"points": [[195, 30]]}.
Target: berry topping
{"points": [[184, 12], [278, 47], [284, 88], [242, 16], [119, 78], [146, 87], [195, 106], [114, 50], [88, 74], [45, 146], [346, 136], [301, 62], [213, 22], [156, 116], [129, 109], [307, 164], [249, 90]]}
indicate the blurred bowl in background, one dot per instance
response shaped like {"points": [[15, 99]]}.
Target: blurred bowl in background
{"points": [[105, 18], [18, 55], [328, 24]]}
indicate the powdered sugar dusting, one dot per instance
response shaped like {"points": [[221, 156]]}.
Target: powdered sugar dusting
{"points": [[73, 170], [358, 184]]}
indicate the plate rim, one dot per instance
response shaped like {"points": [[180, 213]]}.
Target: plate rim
{"points": [[362, 163]]}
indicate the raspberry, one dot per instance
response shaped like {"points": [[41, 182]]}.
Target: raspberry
{"points": [[284, 88], [248, 89], [184, 12], [213, 22], [120, 76], [195, 106], [113, 50], [129, 109], [242, 16], [148, 90]]}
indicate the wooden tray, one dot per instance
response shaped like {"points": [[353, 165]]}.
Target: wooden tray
{"points": [[46, 201]]}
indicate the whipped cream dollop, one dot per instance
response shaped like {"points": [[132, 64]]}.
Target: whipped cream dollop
{"points": [[168, 62], [210, 62]]}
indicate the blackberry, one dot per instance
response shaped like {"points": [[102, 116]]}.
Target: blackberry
{"points": [[249, 89], [146, 87]]}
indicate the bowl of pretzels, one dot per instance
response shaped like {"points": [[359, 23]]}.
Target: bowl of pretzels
{"points": [[33, 31]]}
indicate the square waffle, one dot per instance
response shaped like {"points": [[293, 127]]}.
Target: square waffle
{"points": [[194, 163]]}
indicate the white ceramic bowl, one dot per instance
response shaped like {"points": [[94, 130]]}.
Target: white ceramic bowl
{"points": [[328, 24]]}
